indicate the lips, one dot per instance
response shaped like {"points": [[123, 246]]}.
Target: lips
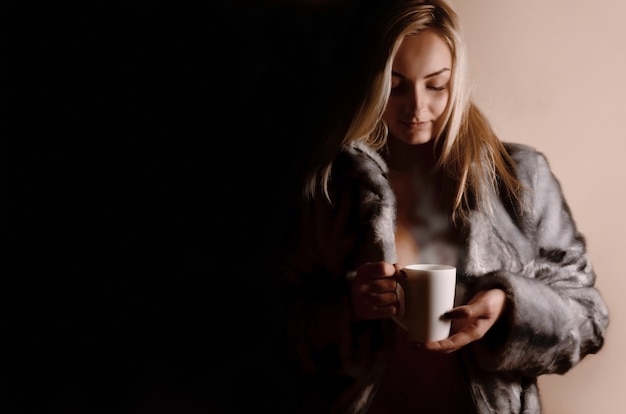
{"points": [[414, 124]]}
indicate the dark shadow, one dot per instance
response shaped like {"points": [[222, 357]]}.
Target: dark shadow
{"points": [[149, 164]]}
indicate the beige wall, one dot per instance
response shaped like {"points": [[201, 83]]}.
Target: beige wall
{"points": [[552, 73]]}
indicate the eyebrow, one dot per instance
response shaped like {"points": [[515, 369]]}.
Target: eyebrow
{"points": [[430, 75]]}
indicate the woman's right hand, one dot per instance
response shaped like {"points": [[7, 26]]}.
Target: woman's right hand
{"points": [[376, 292]]}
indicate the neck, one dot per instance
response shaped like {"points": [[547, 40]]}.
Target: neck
{"points": [[410, 158]]}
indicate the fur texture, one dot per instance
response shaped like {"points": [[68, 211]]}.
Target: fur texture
{"points": [[537, 256]]}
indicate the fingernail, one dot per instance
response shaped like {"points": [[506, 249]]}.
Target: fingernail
{"points": [[451, 314]]}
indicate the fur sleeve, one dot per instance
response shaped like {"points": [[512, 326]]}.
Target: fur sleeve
{"points": [[338, 355], [556, 316]]}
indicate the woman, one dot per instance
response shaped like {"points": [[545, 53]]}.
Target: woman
{"points": [[416, 174]]}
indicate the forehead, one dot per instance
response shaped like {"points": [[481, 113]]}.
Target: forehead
{"points": [[425, 52]]}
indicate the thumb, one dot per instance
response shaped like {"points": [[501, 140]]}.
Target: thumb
{"points": [[460, 312]]}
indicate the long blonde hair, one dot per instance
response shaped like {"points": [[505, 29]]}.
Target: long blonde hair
{"points": [[472, 159]]}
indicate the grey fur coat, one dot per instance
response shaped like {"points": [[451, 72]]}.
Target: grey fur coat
{"points": [[538, 258]]}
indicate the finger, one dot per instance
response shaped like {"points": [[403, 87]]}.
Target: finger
{"points": [[460, 312], [375, 270], [380, 300], [377, 312], [400, 273], [479, 310], [383, 285], [376, 287], [450, 344], [371, 304], [385, 312], [385, 299]]}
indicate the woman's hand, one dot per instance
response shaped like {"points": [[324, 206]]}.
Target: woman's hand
{"points": [[375, 291], [472, 321]]}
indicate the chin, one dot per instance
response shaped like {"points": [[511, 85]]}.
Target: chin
{"points": [[419, 139], [412, 137]]}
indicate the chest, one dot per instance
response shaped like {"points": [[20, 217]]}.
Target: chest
{"points": [[424, 233]]}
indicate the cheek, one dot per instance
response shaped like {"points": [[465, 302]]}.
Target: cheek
{"points": [[438, 106], [390, 110]]}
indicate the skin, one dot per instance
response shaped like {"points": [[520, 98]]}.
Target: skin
{"points": [[421, 75], [420, 79]]}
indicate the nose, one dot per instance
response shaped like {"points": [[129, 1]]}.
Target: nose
{"points": [[416, 101]]}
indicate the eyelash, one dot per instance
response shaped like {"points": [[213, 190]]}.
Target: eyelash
{"points": [[432, 88]]}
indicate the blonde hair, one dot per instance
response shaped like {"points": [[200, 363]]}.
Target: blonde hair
{"points": [[472, 159]]}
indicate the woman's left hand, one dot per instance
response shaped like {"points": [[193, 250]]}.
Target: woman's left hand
{"points": [[472, 321]]}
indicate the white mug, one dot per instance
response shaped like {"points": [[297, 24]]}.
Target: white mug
{"points": [[428, 292]]}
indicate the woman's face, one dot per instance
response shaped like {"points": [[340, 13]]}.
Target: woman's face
{"points": [[420, 82]]}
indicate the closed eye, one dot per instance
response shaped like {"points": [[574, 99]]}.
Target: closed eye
{"points": [[437, 88]]}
